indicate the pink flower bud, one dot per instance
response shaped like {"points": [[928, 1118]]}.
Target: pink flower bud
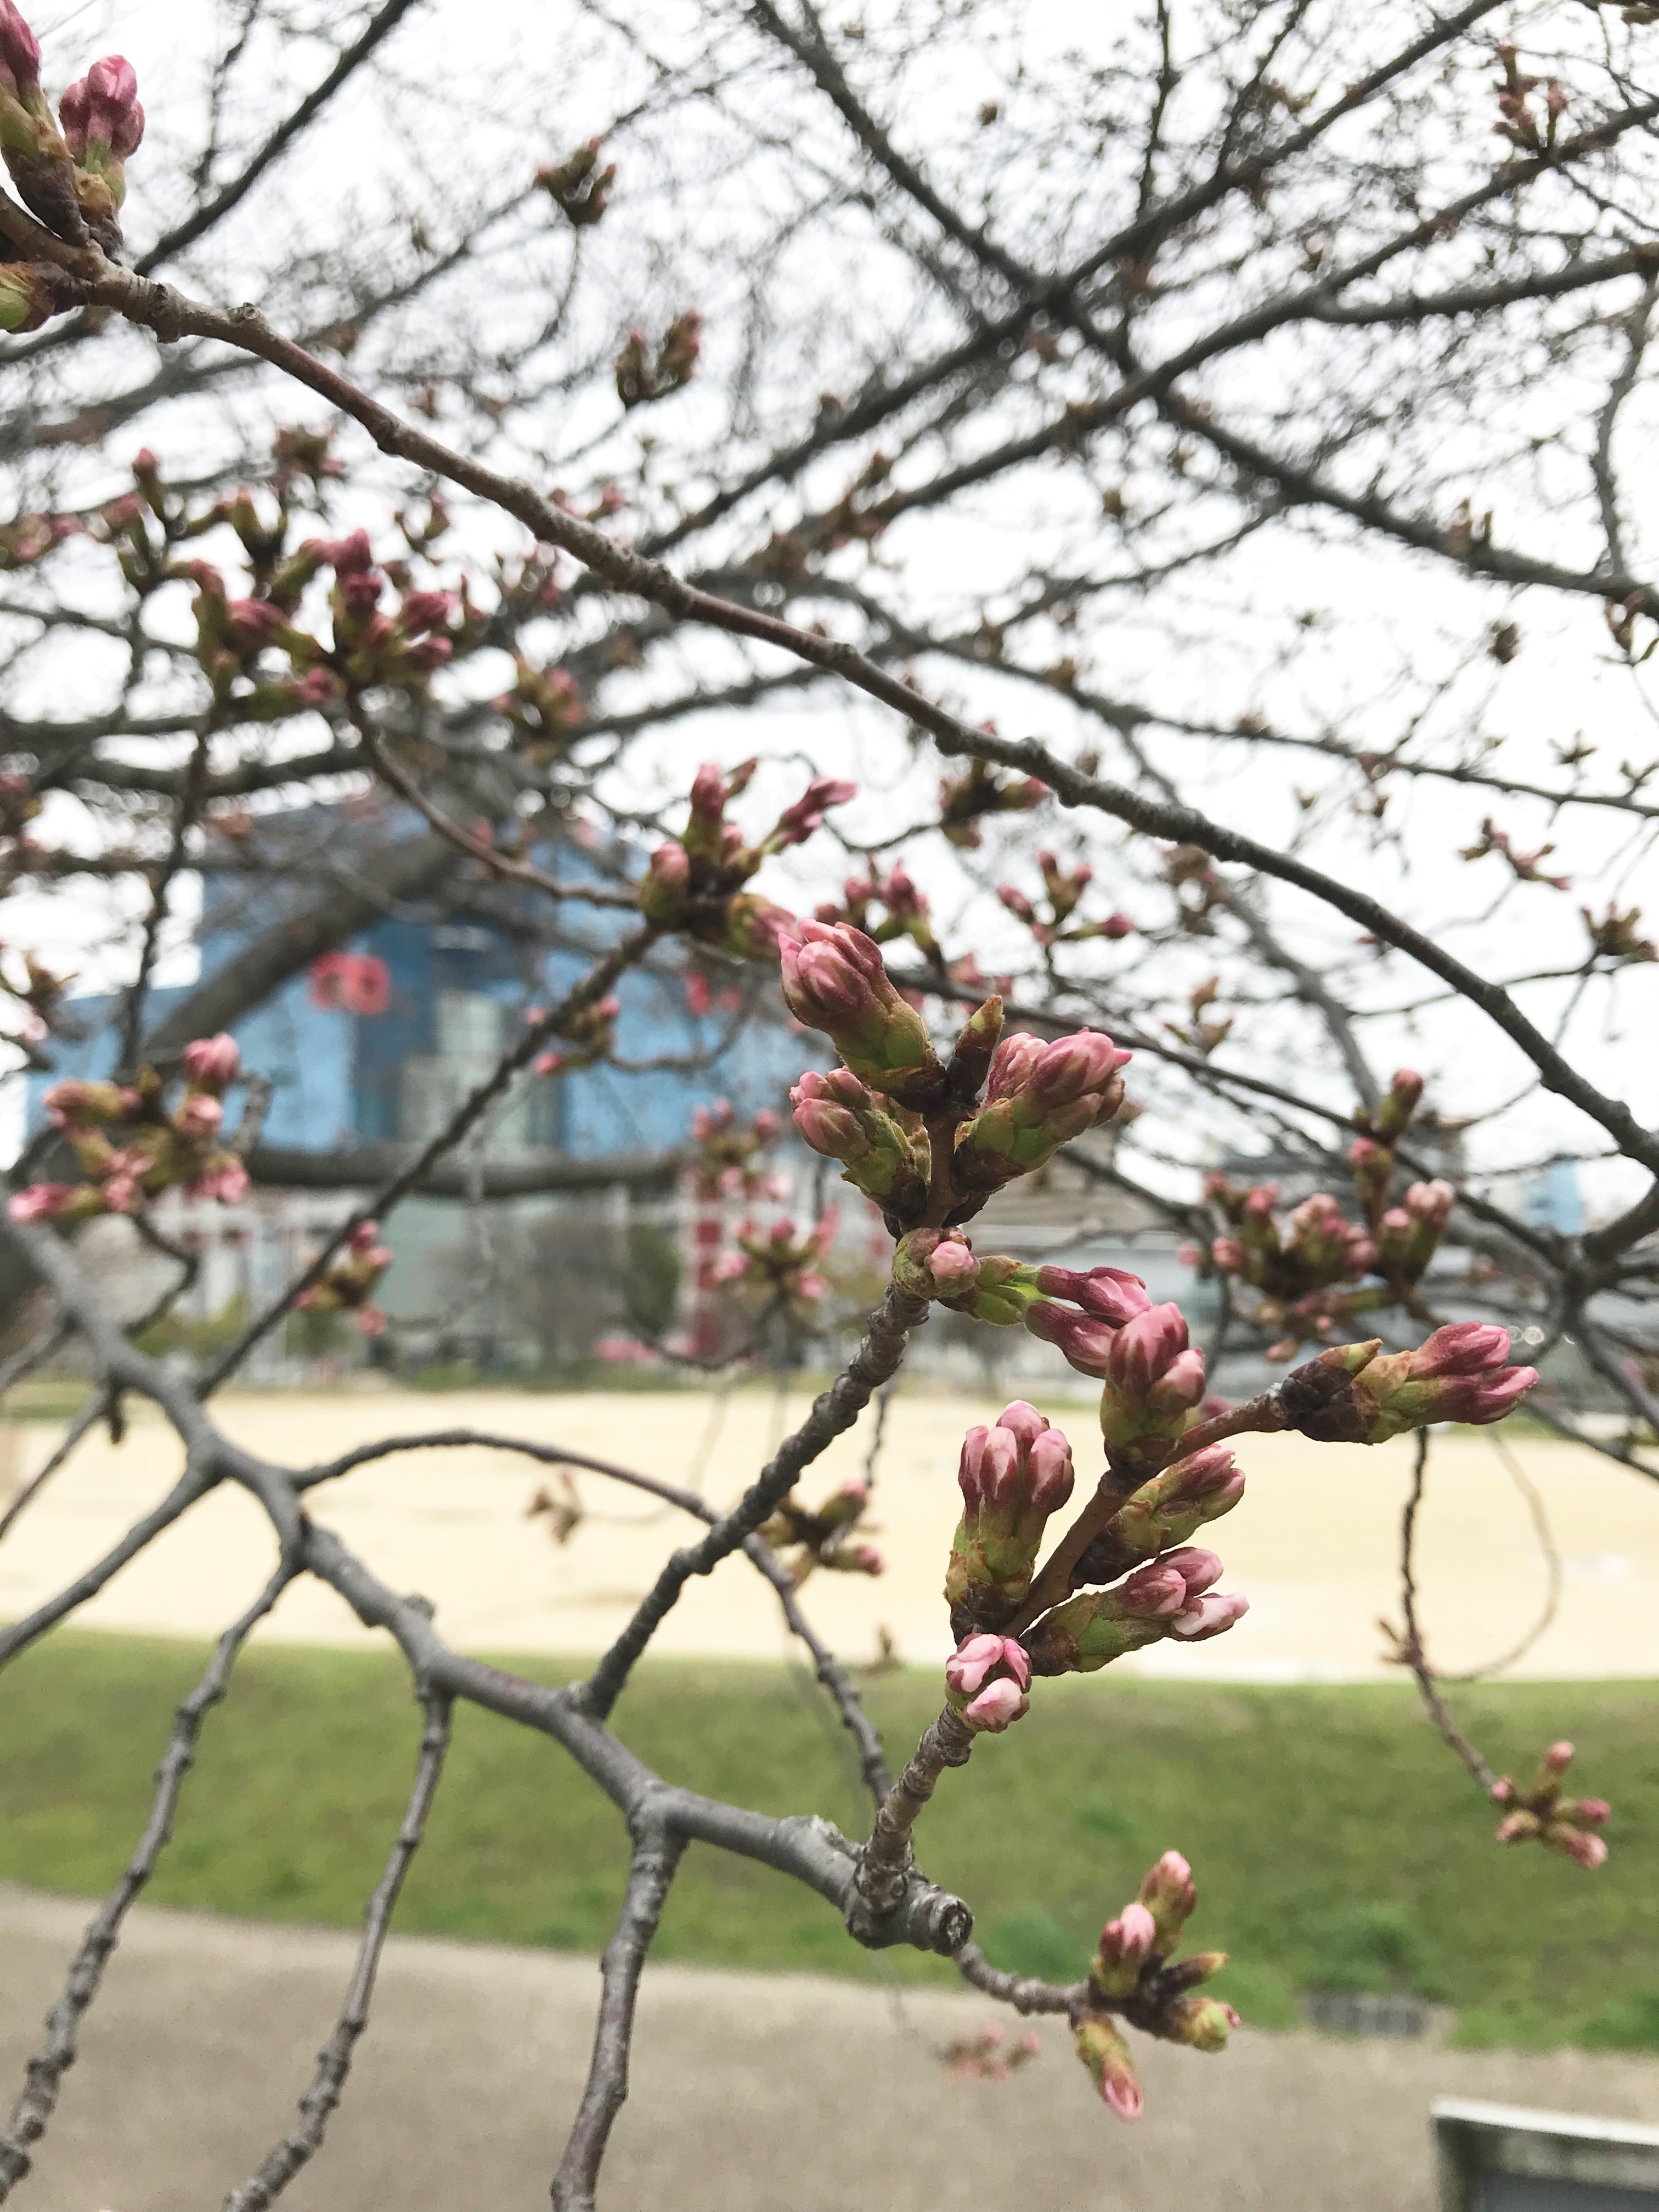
{"points": [[199, 1115], [213, 1061], [973, 1659], [796, 823], [1198, 1568], [41, 1201], [953, 1267], [1145, 1347], [1559, 1758], [1109, 1294], [999, 1704], [1588, 1851], [20, 51], [1049, 1473], [1594, 1811], [1130, 1937], [1205, 1617], [425, 610], [1085, 1342], [1463, 1348], [1149, 1592], [1023, 1422]]}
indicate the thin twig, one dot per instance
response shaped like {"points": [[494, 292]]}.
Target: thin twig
{"points": [[656, 1854], [334, 2061], [34, 2108], [1411, 1648]]}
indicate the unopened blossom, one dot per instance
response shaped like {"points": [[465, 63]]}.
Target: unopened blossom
{"points": [[1358, 1394], [986, 1678], [1039, 1097], [1127, 1945], [1013, 1475], [883, 1149], [835, 980], [1106, 2056], [213, 1062], [1544, 1816], [1095, 1627], [1180, 1498]]}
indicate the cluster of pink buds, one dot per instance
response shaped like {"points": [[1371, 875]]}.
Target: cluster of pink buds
{"points": [[835, 980], [986, 2057], [883, 1148], [1063, 889], [1039, 1097], [39, 996], [349, 1285], [131, 1145], [1304, 1266], [368, 645], [964, 801], [1172, 1595], [1615, 938], [783, 1264], [1133, 1976], [826, 1535], [30, 538], [642, 376], [1359, 1393], [1544, 1816], [694, 882], [578, 186], [1523, 866], [1516, 122], [986, 1680], [1013, 1476], [590, 1033], [904, 909], [731, 1154], [544, 707], [71, 176]]}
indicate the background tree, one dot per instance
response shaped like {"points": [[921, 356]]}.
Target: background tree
{"points": [[1245, 406]]}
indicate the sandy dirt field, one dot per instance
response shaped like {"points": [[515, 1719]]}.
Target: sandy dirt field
{"points": [[778, 2093], [1314, 1544]]}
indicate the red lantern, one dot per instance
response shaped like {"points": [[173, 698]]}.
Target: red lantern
{"points": [[350, 983]]}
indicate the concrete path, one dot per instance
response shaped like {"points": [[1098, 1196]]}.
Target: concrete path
{"points": [[752, 2094], [1314, 1545]]}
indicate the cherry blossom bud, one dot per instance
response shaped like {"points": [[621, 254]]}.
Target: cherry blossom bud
{"points": [[1400, 1102], [19, 52], [100, 114], [986, 1678], [1106, 2056], [1013, 1476], [1109, 1294], [835, 980], [935, 1263], [999, 1704], [1126, 1946], [199, 1115], [1169, 1894], [1587, 1851], [668, 884], [1559, 1758], [41, 1201], [1355, 1393], [796, 824], [978, 1657], [213, 1061], [1202, 2023], [1591, 1812], [1038, 1098], [1181, 1497], [1205, 1617], [1152, 1379]]}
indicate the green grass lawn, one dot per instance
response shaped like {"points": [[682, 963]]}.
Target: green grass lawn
{"points": [[1335, 1842]]}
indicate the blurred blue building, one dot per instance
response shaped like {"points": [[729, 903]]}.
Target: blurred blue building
{"points": [[460, 982]]}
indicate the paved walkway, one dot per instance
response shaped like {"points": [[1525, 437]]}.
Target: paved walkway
{"points": [[750, 2093], [1314, 1545]]}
